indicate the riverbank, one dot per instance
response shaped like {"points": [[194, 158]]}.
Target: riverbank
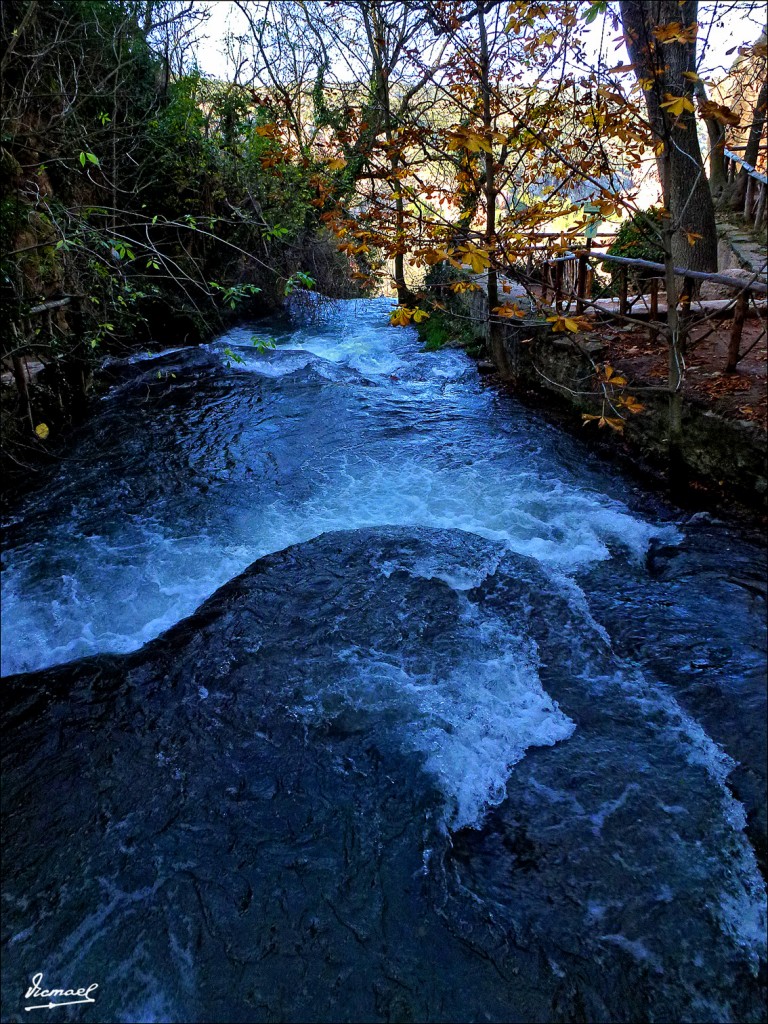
{"points": [[721, 465]]}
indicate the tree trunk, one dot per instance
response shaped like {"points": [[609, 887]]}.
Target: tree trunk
{"points": [[753, 145], [685, 188], [495, 340], [718, 179]]}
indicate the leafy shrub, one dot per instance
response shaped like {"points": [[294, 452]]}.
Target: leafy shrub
{"points": [[638, 238]]}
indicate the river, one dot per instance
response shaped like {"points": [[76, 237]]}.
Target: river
{"points": [[341, 687]]}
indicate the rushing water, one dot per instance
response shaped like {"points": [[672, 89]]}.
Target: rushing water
{"points": [[475, 732]]}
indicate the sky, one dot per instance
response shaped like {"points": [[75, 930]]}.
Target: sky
{"points": [[734, 25]]}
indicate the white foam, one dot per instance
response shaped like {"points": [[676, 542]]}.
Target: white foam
{"points": [[130, 583], [472, 719], [742, 906], [67, 595]]}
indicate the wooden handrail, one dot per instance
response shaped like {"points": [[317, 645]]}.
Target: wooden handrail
{"points": [[751, 171], [698, 275], [755, 209], [579, 278]]}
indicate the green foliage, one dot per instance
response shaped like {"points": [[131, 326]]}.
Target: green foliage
{"points": [[235, 294], [640, 237], [299, 280]]}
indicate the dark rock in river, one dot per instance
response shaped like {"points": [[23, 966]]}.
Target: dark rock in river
{"points": [[386, 774]]}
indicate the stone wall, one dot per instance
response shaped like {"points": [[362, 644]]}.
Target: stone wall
{"points": [[726, 456]]}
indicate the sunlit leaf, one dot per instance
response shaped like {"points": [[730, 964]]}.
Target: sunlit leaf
{"points": [[676, 105]]}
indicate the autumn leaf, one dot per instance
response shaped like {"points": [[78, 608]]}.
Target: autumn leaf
{"points": [[464, 138], [718, 112], [338, 164], [42, 431], [477, 259], [603, 421], [564, 323], [508, 310], [676, 105], [400, 317], [631, 404], [465, 286], [692, 236], [674, 32], [436, 256]]}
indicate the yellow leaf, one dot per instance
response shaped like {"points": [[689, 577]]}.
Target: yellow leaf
{"points": [[631, 404], [478, 259], [437, 256], [564, 323], [692, 237], [676, 105], [508, 310], [337, 164], [463, 138], [674, 32], [42, 431], [400, 317]]}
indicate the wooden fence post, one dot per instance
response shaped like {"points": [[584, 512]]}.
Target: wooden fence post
{"points": [[558, 285], [581, 283], [653, 313], [748, 196], [739, 316], [623, 303], [761, 201]]}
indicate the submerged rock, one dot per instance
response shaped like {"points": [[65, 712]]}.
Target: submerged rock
{"points": [[390, 773]]}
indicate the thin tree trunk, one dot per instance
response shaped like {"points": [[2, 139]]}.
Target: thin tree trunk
{"points": [[676, 330], [495, 340], [718, 179], [753, 145], [684, 183]]}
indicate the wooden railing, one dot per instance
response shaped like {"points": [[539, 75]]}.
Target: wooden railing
{"points": [[570, 278], [754, 210]]}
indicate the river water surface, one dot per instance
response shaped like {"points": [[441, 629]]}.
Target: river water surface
{"points": [[340, 687]]}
